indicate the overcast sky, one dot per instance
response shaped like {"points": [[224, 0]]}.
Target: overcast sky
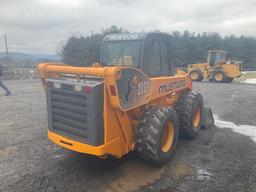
{"points": [[38, 26]]}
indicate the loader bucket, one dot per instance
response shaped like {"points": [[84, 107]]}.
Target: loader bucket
{"points": [[208, 120]]}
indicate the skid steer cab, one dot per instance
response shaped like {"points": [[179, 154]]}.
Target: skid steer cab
{"points": [[217, 68], [131, 101]]}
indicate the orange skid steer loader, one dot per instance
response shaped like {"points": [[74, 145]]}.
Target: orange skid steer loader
{"points": [[130, 101]]}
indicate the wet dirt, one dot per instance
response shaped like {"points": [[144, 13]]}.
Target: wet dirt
{"points": [[134, 174]]}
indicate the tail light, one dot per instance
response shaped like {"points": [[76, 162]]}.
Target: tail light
{"points": [[87, 89], [112, 90]]}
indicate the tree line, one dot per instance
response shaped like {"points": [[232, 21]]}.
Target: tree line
{"points": [[188, 47]]}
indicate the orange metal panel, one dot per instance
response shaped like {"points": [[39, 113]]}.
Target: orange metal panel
{"points": [[112, 148], [162, 86], [232, 70], [57, 68]]}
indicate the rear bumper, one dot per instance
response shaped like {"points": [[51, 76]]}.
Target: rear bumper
{"points": [[112, 148]]}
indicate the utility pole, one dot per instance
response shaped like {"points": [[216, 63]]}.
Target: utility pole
{"points": [[6, 46]]}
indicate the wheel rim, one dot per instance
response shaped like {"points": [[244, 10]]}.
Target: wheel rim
{"points": [[218, 76], [194, 75], [197, 116], [167, 137]]}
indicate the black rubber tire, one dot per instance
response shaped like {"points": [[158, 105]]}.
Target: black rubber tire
{"points": [[199, 77], [216, 80], [185, 108], [149, 135], [229, 80], [208, 119]]}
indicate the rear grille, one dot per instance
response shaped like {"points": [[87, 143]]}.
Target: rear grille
{"points": [[75, 114], [69, 112], [67, 86]]}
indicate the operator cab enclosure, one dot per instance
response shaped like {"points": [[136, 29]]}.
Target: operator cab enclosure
{"points": [[150, 52], [216, 57]]}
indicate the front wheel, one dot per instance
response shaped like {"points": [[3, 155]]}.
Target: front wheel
{"points": [[190, 109], [196, 75], [157, 135]]}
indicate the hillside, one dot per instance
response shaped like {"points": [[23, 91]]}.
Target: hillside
{"points": [[27, 56]]}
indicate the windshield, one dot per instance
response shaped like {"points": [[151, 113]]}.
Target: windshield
{"points": [[125, 53], [217, 57]]}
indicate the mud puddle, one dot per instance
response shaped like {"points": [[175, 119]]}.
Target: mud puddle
{"points": [[134, 174]]}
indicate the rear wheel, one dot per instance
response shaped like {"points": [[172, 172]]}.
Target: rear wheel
{"points": [[219, 76], [157, 135], [196, 75], [189, 109]]}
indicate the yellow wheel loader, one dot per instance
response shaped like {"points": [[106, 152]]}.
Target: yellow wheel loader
{"points": [[217, 68], [131, 101]]}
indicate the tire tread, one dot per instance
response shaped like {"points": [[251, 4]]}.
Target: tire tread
{"points": [[184, 110], [148, 132]]}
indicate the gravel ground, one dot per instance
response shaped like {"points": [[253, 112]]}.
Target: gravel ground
{"points": [[218, 160]]}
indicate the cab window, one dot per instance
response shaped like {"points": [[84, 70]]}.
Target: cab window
{"points": [[155, 60], [164, 58], [159, 64], [126, 53]]}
